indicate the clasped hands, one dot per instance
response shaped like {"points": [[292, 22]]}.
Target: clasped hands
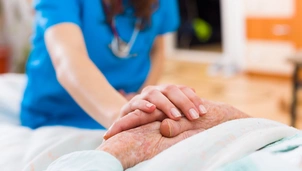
{"points": [[156, 103], [162, 116]]}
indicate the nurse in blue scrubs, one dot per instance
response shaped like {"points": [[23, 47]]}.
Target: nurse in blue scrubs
{"points": [[85, 52]]}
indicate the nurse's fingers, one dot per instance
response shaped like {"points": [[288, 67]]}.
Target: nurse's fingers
{"points": [[180, 99], [132, 120], [162, 103], [192, 96], [170, 128], [139, 104]]}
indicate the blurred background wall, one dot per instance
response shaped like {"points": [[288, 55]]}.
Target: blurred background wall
{"points": [[249, 40], [249, 35], [274, 33], [15, 31], [255, 35]]}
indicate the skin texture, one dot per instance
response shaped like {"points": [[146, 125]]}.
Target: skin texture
{"points": [[137, 145], [79, 75], [158, 102], [217, 113], [133, 146]]}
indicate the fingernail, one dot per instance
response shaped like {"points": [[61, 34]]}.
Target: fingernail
{"points": [[175, 112], [170, 129], [105, 137], [149, 105], [202, 109], [193, 114]]}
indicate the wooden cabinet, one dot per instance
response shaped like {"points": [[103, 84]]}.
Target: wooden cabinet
{"points": [[273, 33]]}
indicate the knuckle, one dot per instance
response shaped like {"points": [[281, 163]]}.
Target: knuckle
{"points": [[169, 88], [152, 92], [137, 97], [138, 113], [148, 88], [130, 106], [139, 117], [124, 109], [184, 88], [134, 105], [149, 94]]}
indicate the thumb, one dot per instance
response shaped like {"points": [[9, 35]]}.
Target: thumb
{"points": [[170, 128]]}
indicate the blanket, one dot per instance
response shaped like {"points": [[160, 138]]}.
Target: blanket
{"points": [[33, 150], [230, 145], [11, 93], [248, 144]]}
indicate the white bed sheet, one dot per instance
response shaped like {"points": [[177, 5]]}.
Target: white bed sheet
{"points": [[21, 147], [33, 150], [11, 93], [28, 150]]}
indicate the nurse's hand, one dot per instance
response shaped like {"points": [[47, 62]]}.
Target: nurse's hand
{"points": [[172, 100], [156, 103]]}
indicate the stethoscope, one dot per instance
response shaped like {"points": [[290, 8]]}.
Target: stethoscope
{"points": [[118, 46]]}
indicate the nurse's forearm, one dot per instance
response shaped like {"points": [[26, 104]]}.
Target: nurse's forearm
{"points": [[157, 62], [79, 76], [90, 89]]}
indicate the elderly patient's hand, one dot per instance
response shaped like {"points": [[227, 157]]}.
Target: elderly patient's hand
{"points": [[156, 103], [217, 113], [134, 146]]}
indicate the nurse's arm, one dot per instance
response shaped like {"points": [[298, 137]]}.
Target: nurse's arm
{"points": [[79, 75]]}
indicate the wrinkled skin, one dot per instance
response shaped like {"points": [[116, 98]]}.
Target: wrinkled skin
{"points": [[217, 113], [155, 103], [136, 145]]}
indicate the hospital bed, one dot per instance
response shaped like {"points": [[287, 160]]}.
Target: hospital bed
{"points": [[231, 146]]}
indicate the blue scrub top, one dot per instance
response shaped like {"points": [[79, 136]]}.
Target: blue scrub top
{"points": [[45, 101]]}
